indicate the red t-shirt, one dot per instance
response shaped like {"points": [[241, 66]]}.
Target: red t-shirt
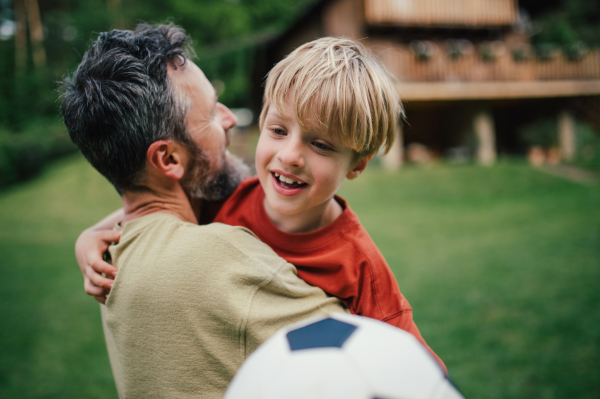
{"points": [[340, 258]]}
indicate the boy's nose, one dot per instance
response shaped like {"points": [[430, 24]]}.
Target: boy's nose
{"points": [[291, 155]]}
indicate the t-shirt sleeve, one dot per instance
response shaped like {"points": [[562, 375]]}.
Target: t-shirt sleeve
{"points": [[378, 294]]}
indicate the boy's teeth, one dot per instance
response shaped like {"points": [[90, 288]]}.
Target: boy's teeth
{"points": [[287, 180]]}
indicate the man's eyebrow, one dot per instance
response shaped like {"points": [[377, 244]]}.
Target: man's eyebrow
{"points": [[214, 110]]}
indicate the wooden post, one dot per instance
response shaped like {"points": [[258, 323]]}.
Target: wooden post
{"points": [[483, 124], [393, 159], [566, 135]]}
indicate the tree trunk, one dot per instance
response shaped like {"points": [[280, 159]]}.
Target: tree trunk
{"points": [[114, 8], [20, 38], [36, 33]]}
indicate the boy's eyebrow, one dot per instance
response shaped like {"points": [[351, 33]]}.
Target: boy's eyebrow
{"points": [[273, 112]]}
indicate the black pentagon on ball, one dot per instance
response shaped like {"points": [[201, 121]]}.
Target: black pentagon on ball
{"points": [[326, 333]]}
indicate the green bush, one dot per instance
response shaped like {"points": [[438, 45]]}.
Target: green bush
{"points": [[22, 158], [24, 154], [588, 147], [542, 133]]}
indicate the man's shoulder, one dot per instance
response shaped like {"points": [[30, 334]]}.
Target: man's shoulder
{"points": [[148, 225], [170, 236]]}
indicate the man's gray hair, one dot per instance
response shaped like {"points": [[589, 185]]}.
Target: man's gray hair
{"points": [[120, 100]]}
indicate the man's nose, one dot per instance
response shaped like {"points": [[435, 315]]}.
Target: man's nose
{"points": [[291, 154], [228, 118]]}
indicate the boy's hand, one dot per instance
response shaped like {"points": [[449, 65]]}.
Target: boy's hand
{"points": [[89, 248]]}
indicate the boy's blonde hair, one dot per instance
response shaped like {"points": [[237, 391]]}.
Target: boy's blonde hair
{"points": [[339, 88]]}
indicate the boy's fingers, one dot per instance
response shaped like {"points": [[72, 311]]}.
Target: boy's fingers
{"points": [[98, 280], [101, 299], [101, 266], [110, 235], [91, 289]]}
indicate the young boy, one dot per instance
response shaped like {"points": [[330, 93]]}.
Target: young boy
{"points": [[328, 107]]}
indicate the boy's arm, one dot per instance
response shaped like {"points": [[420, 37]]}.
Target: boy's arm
{"points": [[354, 270], [380, 297], [89, 247]]}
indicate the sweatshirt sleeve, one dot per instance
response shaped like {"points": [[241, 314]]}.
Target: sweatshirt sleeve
{"points": [[284, 300], [281, 298]]}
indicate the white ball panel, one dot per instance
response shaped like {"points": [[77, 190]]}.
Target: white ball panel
{"points": [[377, 360], [257, 371], [317, 373], [393, 361]]}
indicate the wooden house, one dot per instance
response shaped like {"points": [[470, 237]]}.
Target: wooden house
{"points": [[465, 70]]}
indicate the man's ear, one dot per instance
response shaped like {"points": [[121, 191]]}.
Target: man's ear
{"points": [[359, 167], [167, 158]]}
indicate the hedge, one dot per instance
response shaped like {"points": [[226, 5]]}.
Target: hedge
{"points": [[24, 154]]}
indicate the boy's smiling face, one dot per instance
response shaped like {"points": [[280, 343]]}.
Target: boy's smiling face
{"points": [[301, 170]]}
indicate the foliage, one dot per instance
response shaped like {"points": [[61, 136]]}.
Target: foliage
{"points": [[542, 133], [488, 51], [224, 34], [576, 51], [423, 49], [23, 155], [457, 48], [588, 147], [521, 52], [574, 21], [546, 51]]}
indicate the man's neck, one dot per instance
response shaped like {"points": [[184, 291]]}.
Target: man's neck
{"points": [[142, 203]]}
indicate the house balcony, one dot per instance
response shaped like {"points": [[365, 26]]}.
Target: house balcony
{"points": [[434, 74]]}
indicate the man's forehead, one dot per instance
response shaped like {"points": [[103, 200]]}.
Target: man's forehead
{"points": [[191, 80], [187, 74]]}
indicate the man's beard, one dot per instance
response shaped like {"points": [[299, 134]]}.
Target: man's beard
{"points": [[201, 183]]}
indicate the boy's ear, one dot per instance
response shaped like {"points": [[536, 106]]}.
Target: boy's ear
{"points": [[167, 158], [359, 167]]}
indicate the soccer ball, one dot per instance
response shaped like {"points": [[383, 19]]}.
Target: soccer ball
{"points": [[341, 356]]}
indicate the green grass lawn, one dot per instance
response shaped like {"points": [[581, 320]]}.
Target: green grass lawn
{"points": [[501, 266]]}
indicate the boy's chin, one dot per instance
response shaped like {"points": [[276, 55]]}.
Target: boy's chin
{"points": [[280, 207]]}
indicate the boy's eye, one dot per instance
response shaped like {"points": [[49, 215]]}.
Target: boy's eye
{"points": [[279, 132], [321, 146]]}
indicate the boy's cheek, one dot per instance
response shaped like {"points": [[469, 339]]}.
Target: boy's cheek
{"points": [[261, 158]]}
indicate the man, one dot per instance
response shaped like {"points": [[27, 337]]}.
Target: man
{"points": [[189, 302]]}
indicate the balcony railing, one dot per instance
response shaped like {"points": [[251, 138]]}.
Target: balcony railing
{"points": [[439, 66], [473, 13]]}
